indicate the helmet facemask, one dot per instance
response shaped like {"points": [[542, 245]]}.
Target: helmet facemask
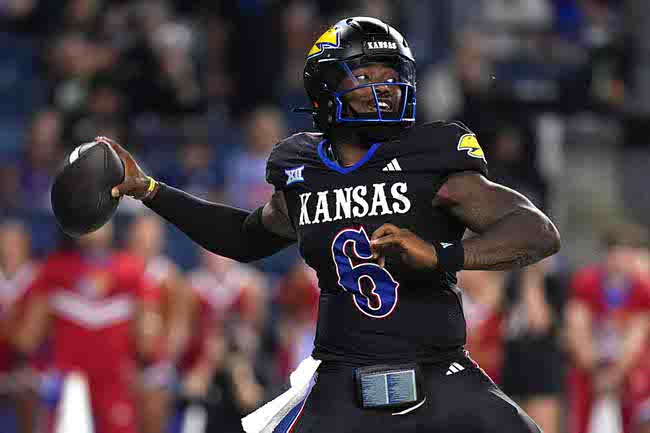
{"points": [[374, 90]]}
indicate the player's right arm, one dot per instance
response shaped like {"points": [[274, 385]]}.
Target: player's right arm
{"points": [[227, 231]]}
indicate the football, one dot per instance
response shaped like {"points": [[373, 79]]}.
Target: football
{"points": [[81, 192]]}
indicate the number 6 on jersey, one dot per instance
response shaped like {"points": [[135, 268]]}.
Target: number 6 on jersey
{"points": [[383, 285]]}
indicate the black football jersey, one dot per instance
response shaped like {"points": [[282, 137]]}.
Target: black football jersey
{"points": [[368, 313]]}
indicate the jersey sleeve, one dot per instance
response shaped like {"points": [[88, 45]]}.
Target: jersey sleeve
{"points": [[278, 163], [449, 147], [273, 175], [290, 157]]}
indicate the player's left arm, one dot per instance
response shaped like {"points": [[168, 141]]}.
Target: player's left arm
{"points": [[512, 232]]}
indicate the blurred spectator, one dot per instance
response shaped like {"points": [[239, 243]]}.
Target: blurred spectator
{"points": [[517, 13], [301, 22], [607, 329], [10, 186], [201, 358], [17, 270], [483, 297], [41, 160], [99, 303], [103, 114], [80, 15], [74, 60], [246, 185], [219, 87], [234, 290], [532, 325], [145, 240], [161, 73], [31, 16], [463, 87], [236, 295], [196, 169], [235, 389], [296, 326], [512, 164]]}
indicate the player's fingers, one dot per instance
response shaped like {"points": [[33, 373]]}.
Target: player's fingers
{"points": [[381, 261], [120, 190], [385, 241], [107, 140], [383, 231], [115, 145]]}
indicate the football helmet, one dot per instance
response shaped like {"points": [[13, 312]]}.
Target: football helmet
{"points": [[331, 80]]}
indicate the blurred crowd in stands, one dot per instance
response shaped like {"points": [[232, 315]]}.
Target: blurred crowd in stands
{"points": [[172, 338]]}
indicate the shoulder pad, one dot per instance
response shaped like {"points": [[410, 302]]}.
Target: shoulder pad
{"points": [[291, 153], [445, 147]]}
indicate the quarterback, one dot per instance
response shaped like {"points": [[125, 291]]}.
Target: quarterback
{"points": [[378, 206]]}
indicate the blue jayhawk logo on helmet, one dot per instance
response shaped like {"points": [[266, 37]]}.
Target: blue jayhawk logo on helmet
{"points": [[329, 39]]}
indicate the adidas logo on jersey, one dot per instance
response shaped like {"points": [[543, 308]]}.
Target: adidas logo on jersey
{"points": [[392, 166], [455, 368]]}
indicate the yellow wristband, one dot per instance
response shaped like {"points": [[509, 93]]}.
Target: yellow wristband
{"points": [[152, 185]]}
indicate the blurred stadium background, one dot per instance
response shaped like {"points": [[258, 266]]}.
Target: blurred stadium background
{"points": [[558, 92]]}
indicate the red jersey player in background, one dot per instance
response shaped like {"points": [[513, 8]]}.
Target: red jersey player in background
{"points": [[483, 293], [232, 292], [94, 302], [298, 301], [146, 240], [607, 329], [17, 270]]}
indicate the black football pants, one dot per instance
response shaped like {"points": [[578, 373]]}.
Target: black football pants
{"points": [[464, 401]]}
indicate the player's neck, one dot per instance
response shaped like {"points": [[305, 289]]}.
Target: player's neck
{"points": [[349, 154], [349, 147]]}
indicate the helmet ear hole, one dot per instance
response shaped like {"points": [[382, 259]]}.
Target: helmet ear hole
{"points": [[324, 114]]}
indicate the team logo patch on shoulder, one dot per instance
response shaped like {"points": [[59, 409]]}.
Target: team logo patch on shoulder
{"points": [[329, 39], [294, 174], [469, 143]]}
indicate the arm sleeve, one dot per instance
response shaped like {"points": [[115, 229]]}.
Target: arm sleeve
{"points": [[216, 227]]}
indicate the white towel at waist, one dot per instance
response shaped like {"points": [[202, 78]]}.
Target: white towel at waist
{"points": [[267, 417]]}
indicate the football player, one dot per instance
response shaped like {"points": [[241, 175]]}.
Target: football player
{"points": [[379, 207], [96, 305]]}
